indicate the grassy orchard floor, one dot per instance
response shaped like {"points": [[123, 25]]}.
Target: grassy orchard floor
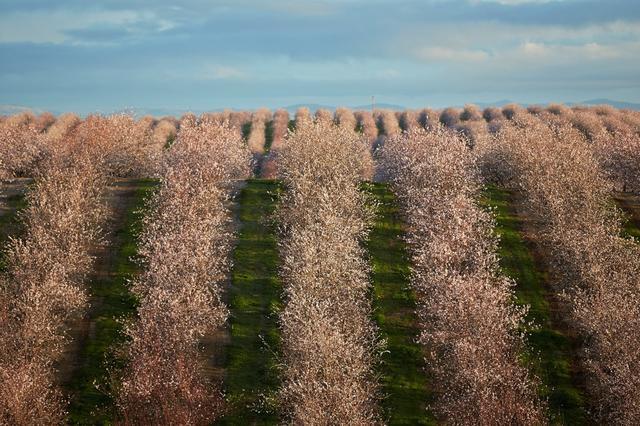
{"points": [[90, 387], [9, 223], [251, 377], [402, 376], [251, 374], [552, 364], [9, 219], [630, 205]]}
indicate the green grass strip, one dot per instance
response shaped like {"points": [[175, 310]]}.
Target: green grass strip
{"points": [[251, 379], [268, 136], [245, 130], [268, 141], [629, 204], [91, 386], [549, 349], [632, 230], [402, 375], [9, 222]]}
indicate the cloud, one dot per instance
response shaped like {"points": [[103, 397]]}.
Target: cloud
{"points": [[514, 2], [240, 52], [488, 39], [438, 53], [573, 53], [224, 73], [71, 26]]}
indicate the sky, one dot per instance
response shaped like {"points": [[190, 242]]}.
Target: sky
{"points": [[84, 56]]}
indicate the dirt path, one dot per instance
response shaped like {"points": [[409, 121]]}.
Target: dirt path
{"points": [[83, 370]]}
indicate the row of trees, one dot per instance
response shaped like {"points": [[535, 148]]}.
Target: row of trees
{"points": [[595, 272], [615, 139], [302, 117], [469, 324], [613, 135], [367, 125], [130, 147], [43, 289], [329, 342], [256, 139], [345, 117], [280, 130], [20, 150], [388, 123], [185, 248], [43, 286], [323, 116]]}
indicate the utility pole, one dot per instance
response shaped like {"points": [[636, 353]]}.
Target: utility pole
{"points": [[373, 104]]}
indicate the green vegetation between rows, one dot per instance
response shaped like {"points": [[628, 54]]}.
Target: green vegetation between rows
{"points": [[251, 377], [402, 375], [245, 130], [549, 349], [630, 205], [92, 384], [631, 229], [9, 223], [268, 136], [268, 141]]}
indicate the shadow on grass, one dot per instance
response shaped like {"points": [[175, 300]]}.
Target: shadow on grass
{"points": [[402, 375], [251, 379], [10, 223], [91, 386], [549, 350], [630, 205]]}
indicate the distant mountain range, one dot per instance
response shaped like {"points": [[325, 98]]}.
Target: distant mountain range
{"points": [[615, 104], [314, 107], [159, 112], [590, 102]]}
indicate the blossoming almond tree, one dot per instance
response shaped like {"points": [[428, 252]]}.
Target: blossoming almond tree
{"points": [[368, 126], [280, 131], [22, 147], [128, 146], [256, 139], [388, 122], [185, 250], [303, 117], [345, 117], [43, 287], [328, 339]]}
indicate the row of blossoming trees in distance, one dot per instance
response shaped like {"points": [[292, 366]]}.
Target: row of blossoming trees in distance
{"points": [[565, 161]]}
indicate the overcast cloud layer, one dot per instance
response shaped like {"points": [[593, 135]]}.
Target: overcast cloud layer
{"points": [[196, 54]]}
